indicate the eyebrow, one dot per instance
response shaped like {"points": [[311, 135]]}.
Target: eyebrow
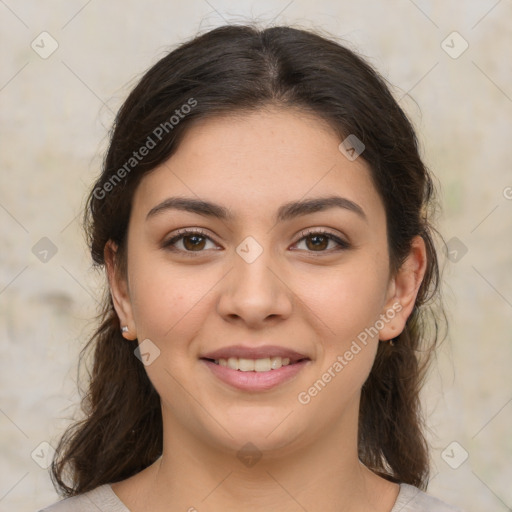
{"points": [[286, 212]]}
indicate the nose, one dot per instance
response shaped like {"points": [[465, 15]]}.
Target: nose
{"points": [[255, 293]]}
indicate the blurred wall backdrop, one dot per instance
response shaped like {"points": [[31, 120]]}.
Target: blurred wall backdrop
{"points": [[66, 68]]}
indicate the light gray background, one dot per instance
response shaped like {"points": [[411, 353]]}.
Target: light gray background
{"points": [[55, 114]]}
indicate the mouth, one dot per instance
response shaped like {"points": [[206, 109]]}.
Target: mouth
{"points": [[255, 375], [265, 364]]}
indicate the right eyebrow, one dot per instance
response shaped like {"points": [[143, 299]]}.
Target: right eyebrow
{"points": [[192, 205]]}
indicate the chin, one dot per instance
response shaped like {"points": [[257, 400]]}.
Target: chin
{"points": [[260, 433]]}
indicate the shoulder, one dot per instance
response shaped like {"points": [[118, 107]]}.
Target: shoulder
{"points": [[411, 499], [102, 498]]}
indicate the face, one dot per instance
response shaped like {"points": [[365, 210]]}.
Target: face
{"points": [[254, 271]]}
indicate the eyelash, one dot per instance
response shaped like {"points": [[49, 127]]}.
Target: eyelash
{"points": [[342, 244]]}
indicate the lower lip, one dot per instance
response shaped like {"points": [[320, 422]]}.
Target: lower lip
{"points": [[255, 381]]}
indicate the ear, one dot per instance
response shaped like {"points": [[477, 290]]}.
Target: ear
{"points": [[119, 290], [403, 290]]}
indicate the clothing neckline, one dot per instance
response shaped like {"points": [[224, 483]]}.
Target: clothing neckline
{"points": [[406, 494]]}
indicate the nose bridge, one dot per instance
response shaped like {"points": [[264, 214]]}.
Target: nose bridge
{"points": [[254, 291], [254, 268]]}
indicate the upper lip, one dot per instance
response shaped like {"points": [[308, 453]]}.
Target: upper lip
{"points": [[254, 353]]}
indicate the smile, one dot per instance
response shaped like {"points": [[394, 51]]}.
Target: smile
{"points": [[255, 374], [254, 365]]}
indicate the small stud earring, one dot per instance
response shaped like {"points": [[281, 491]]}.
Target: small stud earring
{"points": [[124, 329]]}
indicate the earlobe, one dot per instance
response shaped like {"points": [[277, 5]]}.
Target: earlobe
{"points": [[119, 291], [403, 290]]}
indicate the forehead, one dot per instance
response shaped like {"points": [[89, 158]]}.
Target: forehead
{"points": [[257, 161]]}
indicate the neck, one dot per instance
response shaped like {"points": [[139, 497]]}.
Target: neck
{"points": [[326, 475]]}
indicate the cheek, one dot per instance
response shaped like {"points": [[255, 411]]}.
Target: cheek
{"points": [[347, 313], [346, 301], [167, 300], [169, 308]]}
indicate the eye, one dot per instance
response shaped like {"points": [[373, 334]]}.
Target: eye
{"points": [[319, 240], [196, 241], [190, 240]]}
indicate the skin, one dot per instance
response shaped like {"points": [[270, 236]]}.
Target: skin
{"points": [[313, 300]]}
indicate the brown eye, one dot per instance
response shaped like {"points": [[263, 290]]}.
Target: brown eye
{"points": [[318, 241], [189, 241], [194, 242]]}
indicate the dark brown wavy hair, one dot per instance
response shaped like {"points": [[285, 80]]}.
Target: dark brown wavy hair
{"points": [[235, 70]]}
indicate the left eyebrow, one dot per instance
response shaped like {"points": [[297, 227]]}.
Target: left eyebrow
{"points": [[286, 212], [298, 208]]}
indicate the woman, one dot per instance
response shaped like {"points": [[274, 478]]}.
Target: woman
{"points": [[263, 219]]}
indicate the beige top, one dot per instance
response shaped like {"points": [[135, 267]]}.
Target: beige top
{"points": [[410, 499]]}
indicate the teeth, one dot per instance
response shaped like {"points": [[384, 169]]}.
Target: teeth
{"points": [[246, 365], [276, 362], [262, 365], [233, 363], [254, 365]]}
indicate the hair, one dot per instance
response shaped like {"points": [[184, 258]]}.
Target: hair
{"points": [[232, 70]]}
